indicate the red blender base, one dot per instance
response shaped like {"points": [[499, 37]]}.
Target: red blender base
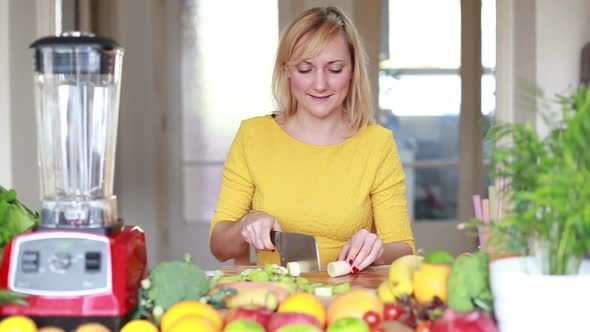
{"points": [[75, 276]]}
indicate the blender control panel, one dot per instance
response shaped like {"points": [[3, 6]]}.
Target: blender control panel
{"points": [[61, 263]]}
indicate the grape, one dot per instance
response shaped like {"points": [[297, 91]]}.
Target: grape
{"points": [[414, 313]]}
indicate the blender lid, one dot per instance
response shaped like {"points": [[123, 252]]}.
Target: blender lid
{"points": [[76, 38], [75, 53]]}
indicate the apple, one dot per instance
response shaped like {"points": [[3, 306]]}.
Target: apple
{"points": [[243, 325], [471, 321], [299, 328], [261, 315], [281, 319], [349, 324]]}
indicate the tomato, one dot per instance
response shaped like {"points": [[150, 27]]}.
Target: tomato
{"points": [[378, 329], [372, 318], [392, 311], [424, 326]]}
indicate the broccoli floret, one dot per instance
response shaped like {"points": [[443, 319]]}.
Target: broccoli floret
{"points": [[469, 285]]}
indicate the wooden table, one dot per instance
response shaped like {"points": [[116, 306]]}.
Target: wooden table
{"points": [[370, 277]]}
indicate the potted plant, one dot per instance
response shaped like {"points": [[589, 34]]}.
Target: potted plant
{"points": [[546, 218]]}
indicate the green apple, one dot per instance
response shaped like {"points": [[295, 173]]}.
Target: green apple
{"points": [[299, 328], [349, 324], [243, 325]]}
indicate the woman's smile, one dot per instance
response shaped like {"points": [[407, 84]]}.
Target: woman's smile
{"points": [[320, 98]]}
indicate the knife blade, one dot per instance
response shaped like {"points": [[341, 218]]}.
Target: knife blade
{"points": [[296, 247]]}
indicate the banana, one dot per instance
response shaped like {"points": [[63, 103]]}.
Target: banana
{"points": [[385, 292], [281, 289], [401, 273], [253, 296]]}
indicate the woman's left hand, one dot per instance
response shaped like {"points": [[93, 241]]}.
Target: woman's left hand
{"points": [[362, 250]]}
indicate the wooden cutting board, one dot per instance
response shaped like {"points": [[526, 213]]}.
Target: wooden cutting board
{"points": [[370, 277]]}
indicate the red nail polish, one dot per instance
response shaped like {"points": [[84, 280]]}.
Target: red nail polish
{"points": [[350, 261], [272, 250], [354, 269]]}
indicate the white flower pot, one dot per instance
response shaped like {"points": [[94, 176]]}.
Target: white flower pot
{"points": [[526, 300]]}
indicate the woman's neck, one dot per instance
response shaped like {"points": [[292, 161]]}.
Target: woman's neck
{"points": [[318, 131]]}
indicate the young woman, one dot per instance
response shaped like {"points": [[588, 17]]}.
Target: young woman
{"points": [[319, 165]]}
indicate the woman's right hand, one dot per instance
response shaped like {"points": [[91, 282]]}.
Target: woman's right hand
{"points": [[256, 229]]}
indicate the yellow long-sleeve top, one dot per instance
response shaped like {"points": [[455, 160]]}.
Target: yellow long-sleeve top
{"points": [[330, 192]]}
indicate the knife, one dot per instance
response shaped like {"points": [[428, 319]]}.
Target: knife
{"points": [[295, 247]]}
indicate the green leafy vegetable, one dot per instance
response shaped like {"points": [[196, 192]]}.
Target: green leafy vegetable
{"points": [[469, 285], [15, 218], [215, 278], [7, 296]]}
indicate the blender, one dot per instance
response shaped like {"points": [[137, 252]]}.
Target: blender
{"points": [[81, 263]]}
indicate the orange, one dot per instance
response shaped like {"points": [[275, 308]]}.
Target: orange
{"points": [[92, 327], [431, 280], [140, 325], [192, 323], [354, 303], [304, 303], [17, 324], [51, 329], [184, 308]]}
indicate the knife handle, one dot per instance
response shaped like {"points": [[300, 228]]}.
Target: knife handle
{"points": [[273, 237]]}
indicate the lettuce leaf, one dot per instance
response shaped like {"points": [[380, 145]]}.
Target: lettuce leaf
{"points": [[15, 218]]}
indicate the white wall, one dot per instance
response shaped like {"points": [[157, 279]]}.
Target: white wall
{"points": [[139, 126], [562, 30], [539, 45], [22, 30], [5, 139], [19, 27]]}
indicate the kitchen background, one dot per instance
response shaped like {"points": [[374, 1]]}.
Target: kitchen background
{"points": [[193, 69]]}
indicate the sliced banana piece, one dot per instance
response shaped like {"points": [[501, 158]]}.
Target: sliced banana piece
{"points": [[323, 291], [338, 268], [294, 268]]}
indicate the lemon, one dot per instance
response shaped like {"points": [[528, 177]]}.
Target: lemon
{"points": [[140, 325], [304, 303], [192, 323], [190, 307], [18, 324], [385, 292], [431, 280]]}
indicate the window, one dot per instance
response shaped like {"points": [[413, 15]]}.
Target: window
{"points": [[227, 62], [420, 97]]}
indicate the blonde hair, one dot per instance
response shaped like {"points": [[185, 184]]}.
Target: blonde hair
{"points": [[304, 38]]}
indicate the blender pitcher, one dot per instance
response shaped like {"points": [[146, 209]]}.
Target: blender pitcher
{"points": [[77, 79]]}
